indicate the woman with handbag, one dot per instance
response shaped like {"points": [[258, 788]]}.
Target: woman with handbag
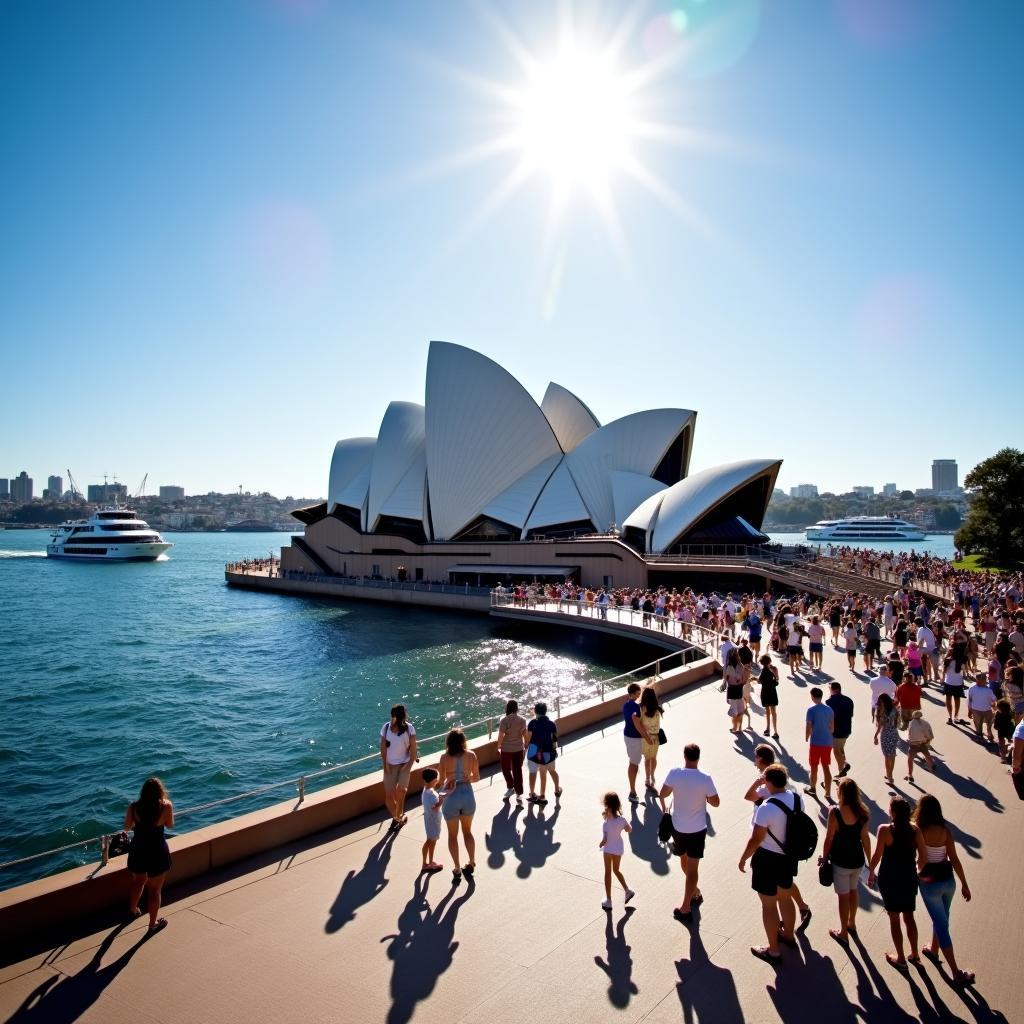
{"points": [[650, 731], [896, 848], [937, 863], [149, 858], [845, 851]]}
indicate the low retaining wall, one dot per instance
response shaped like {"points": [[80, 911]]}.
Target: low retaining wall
{"points": [[422, 598], [68, 897]]}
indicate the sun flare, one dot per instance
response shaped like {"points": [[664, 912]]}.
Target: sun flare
{"points": [[574, 120]]}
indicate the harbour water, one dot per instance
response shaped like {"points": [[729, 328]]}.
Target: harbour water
{"points": [[939, 545], [110, 672]]}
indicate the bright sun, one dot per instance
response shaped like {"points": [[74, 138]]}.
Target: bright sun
{"points": [[574, 119]]}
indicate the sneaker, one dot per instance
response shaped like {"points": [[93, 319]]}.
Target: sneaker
{"points": [[633, 798], [532, 798], [509, 793], [844, 772], [805, 918], [519, 801], [767, 732], [629, 895], [606, 904], [542, 801]]}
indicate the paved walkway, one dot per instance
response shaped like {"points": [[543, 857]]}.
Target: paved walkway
{"points": [[342, 928]]}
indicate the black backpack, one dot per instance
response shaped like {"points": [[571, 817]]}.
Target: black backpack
{"points": [[801, 832]]}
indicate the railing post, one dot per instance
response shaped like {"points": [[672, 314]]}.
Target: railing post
{"points": [[104, 850], [490, 727], [657, 669], [302, 788]]}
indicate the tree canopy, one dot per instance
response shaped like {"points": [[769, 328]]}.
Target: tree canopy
{"points": [[995, 524]]}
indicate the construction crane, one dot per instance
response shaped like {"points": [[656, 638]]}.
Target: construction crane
{"points": [[75, 492], [142, 487]]}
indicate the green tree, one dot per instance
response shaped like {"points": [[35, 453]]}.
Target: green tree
{"points": [[906, 495], [995, 523], [947, 517]]}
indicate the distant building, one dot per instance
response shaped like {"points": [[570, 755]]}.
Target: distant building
{"points": [[102, 494], [172, 493], [863, 491], [804, 491], [945, 478], [890, 490], [55, 485], [5, 488], [21, 488], [924, 492]]}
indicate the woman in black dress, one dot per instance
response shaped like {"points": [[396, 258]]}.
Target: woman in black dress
{"points": [[769, 682], [896, 848], [149, 858]]}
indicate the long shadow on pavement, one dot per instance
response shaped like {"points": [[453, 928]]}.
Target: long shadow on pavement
{"points": [[65, 998], [538, 841], [363, 885], [706, 991], [618, 964], [643, 840], [504, 835], [423, 947], [812, 992]]}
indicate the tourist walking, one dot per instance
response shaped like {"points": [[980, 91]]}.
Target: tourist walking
{"points": [[882, 683], [149, 858], [886, 733], [980, 701], [919, 738], [543, 751], [769, 683], [820, 721], [847, 848], [613, 847], [772, 871], [842, 726], [732, 683], [937, 863], [511, 747], [816, 641], [953, 686], [908, 699], [459, 768], [650, 729], [896, 848], [397, 755], [692, 792], [632, 737], [850, 641]]}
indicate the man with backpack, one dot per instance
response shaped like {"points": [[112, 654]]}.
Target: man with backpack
{"points": [[782, 836]]}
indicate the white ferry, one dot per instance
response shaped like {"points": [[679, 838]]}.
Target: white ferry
{"points": [[871, 528], [111, 535]]}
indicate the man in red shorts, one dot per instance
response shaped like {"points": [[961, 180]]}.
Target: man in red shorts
{"points": [[818, 733]]}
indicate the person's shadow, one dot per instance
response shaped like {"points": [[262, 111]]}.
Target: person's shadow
{"points": [[504, 835], [361, 886], [65, 998], [422, 949], [538, 841], [643, 840], [618, 964], [706, 991]]}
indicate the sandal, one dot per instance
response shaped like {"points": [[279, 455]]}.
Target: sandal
{"points": [[964, 978], [931, 955], [842, 939], [456, 877], [558, 792], [161, 924], [765, 954], [914, 959], [468, 870], [894, 961], [134, 912]]}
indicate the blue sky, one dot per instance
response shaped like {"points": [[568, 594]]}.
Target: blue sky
{"points": [[230, 230]]}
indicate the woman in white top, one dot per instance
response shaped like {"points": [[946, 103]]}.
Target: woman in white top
{"points": [[397, 754]]}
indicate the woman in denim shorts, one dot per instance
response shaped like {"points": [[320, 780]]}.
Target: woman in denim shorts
{"points": [[847, 846]]}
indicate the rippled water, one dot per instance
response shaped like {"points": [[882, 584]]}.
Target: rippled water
{"points": [[111, 672]]}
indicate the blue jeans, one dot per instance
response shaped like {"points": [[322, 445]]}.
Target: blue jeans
{"points": [[938, 897]]}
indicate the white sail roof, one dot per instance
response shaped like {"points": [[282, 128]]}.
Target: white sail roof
{"points": [[630, 490], [408, 499], [570, 418], [687, 501], [559, 502], [633, 444], [514, 504], [401, 443], [350, 465], [484, 432]]}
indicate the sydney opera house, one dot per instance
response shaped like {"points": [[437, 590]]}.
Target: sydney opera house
{"points": [[481, 484]]}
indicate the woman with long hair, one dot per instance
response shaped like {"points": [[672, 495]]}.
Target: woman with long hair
{"points": [[953, 685], [937, 862], [887, 733], [847, 846], [732, 683], [149, 858], [511, 748], [768, 680], [459, 769], [397, 755], [896, 848], [650, 725]]}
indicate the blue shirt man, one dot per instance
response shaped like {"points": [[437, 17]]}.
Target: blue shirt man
{"points": [[820, 722]]}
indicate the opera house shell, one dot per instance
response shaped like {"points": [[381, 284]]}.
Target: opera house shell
{"points": [[480, 464]]}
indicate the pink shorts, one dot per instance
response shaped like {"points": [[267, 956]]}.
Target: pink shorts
{"points": [[820, 756]]}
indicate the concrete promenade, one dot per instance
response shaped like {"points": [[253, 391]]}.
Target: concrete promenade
{"points": [[341, 927]]}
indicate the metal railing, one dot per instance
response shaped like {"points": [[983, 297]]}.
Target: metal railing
{"points": [[887, 577], [300, 783], [422, 586]]}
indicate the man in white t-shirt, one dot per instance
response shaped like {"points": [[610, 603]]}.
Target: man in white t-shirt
{"points": [[723, 652], [926, 645], [980, 699], [692, 791], [771, 870], [882, 683]]}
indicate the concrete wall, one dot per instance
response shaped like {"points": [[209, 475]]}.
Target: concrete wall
{"points": [[62, 899]]}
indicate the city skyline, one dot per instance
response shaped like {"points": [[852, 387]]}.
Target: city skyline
{"points": [[276, 233]]}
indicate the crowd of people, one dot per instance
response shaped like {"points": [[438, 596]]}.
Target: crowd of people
{"points": [[979, 636]]}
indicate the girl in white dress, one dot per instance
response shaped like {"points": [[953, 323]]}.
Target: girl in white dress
{"points": [[613, 846]]}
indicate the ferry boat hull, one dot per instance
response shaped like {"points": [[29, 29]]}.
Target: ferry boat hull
{"points": [[111, 553], [108, 535], [879, 529]]}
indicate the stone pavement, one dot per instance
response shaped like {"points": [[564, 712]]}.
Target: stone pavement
{"points": [[341, 927]]}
